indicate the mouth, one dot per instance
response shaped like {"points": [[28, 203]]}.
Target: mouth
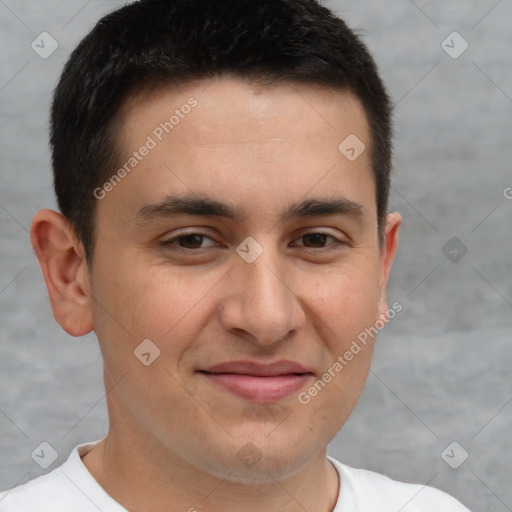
{"points": [[262, 383]]}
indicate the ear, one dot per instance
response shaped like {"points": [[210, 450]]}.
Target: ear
{"points": [[62, 260], [387, 255]]}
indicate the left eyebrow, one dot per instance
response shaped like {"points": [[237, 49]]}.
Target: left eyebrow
{"points": [[204, 206], [318, 207]]}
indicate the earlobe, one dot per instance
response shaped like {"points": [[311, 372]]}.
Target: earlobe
{"points": [[65, 271], [387, 255]]}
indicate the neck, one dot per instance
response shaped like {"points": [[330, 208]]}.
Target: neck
{"points": [[147, 478]]}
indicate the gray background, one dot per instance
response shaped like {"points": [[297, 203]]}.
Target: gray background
{"points": [[442, 367]]}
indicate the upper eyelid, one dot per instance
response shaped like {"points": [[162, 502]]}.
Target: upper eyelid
{"points": [[337, 238], [187, 233], [302, 232]]}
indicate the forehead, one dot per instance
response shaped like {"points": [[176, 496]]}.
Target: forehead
{"points": [[241, 109], [233, 141]]}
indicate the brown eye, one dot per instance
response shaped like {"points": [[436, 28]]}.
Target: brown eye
{"points": [[190, 241], [316, 239], [320, 242]]}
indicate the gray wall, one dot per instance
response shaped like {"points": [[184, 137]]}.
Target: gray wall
{"points": [[442, 367]]}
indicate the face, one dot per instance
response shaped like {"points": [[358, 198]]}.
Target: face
{"points": [[243, 244]]}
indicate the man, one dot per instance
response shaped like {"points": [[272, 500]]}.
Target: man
{"points": [[222, 170]]}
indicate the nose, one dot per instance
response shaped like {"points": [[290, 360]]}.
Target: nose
{"points": [[261, 305]]}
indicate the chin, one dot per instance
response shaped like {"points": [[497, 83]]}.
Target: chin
{"points": [[261, 462], [265, 471]]}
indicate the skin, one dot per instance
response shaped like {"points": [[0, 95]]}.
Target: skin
{"points": [[174, 436]]}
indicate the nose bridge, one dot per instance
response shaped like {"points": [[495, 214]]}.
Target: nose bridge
{"points": [[266, 288], [263, 303]]}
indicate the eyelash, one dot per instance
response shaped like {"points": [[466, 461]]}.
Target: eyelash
{"points": [[336, 245]]}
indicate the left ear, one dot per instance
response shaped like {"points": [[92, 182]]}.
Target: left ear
{"points": [[387, 255]]}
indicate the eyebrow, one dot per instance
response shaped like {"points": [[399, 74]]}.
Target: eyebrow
{"points": [[197, 205]]}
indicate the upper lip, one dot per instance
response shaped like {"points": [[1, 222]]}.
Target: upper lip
{"points": [[282, 367]]}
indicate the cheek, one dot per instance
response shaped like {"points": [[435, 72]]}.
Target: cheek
{"points": [[346, 300], [346, 304], [167, 306]]}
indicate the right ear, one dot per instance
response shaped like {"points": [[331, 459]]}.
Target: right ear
{"points": [[66, 274]]}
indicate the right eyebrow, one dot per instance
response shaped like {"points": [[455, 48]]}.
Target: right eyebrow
{"points": [[174, 205]]}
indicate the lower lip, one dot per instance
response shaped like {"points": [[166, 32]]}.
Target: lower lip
{"points": [[257, 388]]}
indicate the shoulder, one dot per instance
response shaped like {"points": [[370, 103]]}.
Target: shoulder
{"points": [[68, 487], [367, 491], [48, 492]]}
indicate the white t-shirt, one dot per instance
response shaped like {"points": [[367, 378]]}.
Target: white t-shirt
{"points": [[71, 488]]}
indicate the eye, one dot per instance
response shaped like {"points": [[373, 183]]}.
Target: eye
{"points": [[188, 241], [317, 240]]}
